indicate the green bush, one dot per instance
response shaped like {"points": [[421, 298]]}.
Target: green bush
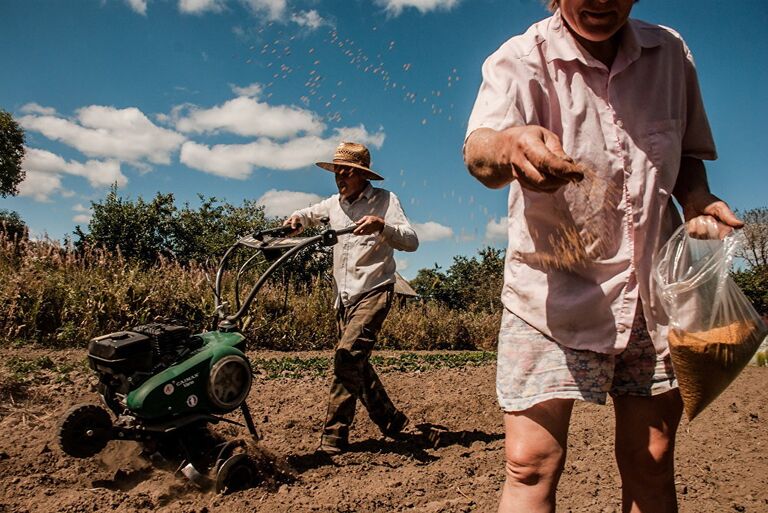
{"points": [[12, 226], [468, 284], [753, 282]]}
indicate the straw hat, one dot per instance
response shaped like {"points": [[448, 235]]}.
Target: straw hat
{"points": [[352, 155]]}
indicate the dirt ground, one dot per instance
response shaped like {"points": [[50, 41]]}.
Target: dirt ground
{"points": [[722, 457]]}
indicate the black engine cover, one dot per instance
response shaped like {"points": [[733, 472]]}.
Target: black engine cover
{"points": [[123, 352], [141, 349], [126, 359]]}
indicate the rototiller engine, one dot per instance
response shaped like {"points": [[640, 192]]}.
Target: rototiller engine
{"points": [[164, 385]]}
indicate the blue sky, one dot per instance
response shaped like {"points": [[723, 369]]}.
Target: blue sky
{"points": [[236, 99]]}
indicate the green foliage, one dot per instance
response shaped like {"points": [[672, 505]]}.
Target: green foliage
{"points": [[139, 230], [117, 278], [20, 365], [11, 155], [198, 234], [39, 369], [753, 280], [410, 362], [428, 283], [292, 367], [468, 284], [147, 231], [12, 226], [754, 283], [144, 231]]}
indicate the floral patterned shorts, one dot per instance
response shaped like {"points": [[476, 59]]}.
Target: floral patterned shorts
{"points": [[533, 368]]}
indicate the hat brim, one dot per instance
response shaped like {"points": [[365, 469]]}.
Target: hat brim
{"points": [[331, 166]]}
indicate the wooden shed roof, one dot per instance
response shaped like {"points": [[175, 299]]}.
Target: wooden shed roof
{"points": [[402, 287]]}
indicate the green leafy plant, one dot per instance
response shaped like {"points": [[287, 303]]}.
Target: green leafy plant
{"points": [[292, 367], [11, 155]]}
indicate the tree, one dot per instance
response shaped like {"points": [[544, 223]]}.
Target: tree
{"points": [[473, 283], [11, 226], [753, 279], [11, 155], [755, 250], [198, 234], [468, 284], [754, 283], [428, 283], [144, 230], [141, 230]]}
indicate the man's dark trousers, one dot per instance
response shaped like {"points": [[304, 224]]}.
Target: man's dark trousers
{"points": [[354, 377]]}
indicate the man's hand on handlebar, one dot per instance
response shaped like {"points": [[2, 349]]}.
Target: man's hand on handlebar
{"points": [[365, 226], [368, 225], [295, 223]]}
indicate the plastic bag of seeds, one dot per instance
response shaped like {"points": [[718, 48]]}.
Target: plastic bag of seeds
{"points": [[713, 329]]}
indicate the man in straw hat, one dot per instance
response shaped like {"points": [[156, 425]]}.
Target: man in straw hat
{"points": [[364, 276]]}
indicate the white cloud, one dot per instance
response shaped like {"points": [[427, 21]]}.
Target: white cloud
{"points": [[228, 160], [249, 117], [496, 230], [395, 7], [140, 6], [357, 134], [310, 19], [239, 160], [401, 263], [84, 214], [99, 131], [252, 90], [200, 6], [97, 172], [284, 203], [431, 231], [35, 108], [274, 9], [44, 170], [40, 186]]}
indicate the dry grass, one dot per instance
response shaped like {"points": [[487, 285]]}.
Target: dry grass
{"points": [[54, 296]]}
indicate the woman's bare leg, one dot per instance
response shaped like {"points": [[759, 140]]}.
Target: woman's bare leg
{"points": [[645, 451], [535, 442]]}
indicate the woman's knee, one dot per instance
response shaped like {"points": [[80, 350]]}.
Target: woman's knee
{"points": [[530, 466], [536, 441], [651, 460], [646, 428]]}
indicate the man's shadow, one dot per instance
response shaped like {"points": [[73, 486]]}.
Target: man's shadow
{"points": [[413, 445]]}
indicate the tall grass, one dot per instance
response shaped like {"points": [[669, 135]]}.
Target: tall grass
{"points": [[54, 296]]}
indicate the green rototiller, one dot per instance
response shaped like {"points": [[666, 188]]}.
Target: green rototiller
{"points": [[162, 385]]}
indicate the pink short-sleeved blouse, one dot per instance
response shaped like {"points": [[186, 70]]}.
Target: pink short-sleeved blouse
{"points": [[631, 125]]}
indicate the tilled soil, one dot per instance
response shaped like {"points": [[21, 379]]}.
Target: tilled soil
{"points": [[722, 457]]}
